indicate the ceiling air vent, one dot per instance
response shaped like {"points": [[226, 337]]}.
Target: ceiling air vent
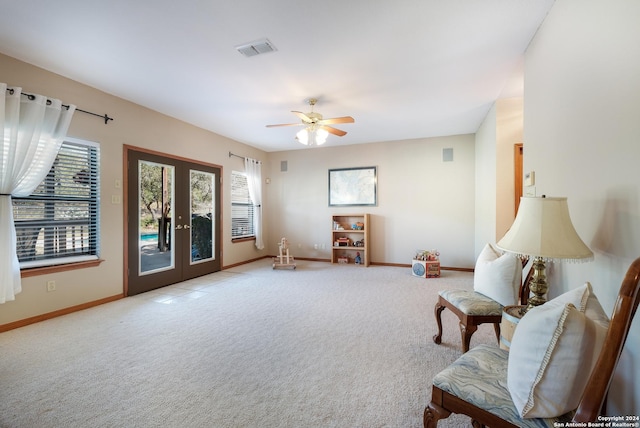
{"points": [[256, 48]]}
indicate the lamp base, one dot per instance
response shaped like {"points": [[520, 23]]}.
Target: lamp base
{"points": [[538, 284]]}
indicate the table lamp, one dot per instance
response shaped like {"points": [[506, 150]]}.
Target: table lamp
{"points": [[543, 230]]}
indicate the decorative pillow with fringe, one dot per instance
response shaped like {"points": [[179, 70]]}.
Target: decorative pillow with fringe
{"points": [[553, 351]]}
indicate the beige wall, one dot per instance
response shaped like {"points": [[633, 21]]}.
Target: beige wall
{"points": [[582, 138], [423, 202], [133, 125], [486, 181], [494, 162]]}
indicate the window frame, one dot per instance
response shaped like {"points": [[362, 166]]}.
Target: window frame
{"points": [[250, 207], [61, 261]]}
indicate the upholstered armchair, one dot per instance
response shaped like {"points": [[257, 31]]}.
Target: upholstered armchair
{"points": [[497, 283]]}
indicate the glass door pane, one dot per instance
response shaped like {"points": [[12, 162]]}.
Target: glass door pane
{"points": [[202, 197], [156, 195]]}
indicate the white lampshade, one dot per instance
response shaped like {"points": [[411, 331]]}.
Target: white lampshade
{"points": [[543, 229]]}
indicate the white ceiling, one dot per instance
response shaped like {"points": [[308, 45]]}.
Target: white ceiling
{"points": [[403, 69]]}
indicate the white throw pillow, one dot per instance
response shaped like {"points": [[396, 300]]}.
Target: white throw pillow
{"points": [[552, 354], [498, 276], [585, 300], [578, 297]]}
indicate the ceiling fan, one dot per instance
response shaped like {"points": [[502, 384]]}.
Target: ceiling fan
{"points": [[316, 128]]}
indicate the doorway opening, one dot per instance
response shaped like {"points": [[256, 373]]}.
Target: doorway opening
{"points": [[518, 162]]}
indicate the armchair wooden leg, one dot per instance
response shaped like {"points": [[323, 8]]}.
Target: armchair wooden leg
{"points": [[432, 414], [438, 313], [466, 333], [496, 328]]}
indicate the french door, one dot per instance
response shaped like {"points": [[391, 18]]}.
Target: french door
{"points": [[173, 220]]}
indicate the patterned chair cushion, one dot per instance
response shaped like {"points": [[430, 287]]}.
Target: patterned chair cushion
{"points": [[479, 377], [472, 302]]}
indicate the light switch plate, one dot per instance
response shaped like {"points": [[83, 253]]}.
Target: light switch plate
{"points": [[530, 178]]}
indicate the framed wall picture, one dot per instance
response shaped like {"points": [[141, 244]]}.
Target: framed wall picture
{"points": [[353, 186]]}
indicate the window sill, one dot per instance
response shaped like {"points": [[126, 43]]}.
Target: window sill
{"points": [[45, 270], [250, 238]]}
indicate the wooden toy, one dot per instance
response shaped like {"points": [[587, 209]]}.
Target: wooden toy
{"points": [[284, 259]]}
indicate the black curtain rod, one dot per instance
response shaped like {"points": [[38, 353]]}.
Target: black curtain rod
{"points": [[32, 97], [238, 156], [105, 117]]}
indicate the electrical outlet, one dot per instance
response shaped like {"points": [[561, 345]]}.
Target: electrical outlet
{"points": [[51, 286]]}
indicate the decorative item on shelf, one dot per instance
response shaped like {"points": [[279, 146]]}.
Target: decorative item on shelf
{"points": [[343, 260], [344, 242], [359, 243], [543, 230], [357, 226], [358, 259]]}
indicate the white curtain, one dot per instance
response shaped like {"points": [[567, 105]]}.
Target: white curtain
{"points": [[33, 129], [253, 169]]}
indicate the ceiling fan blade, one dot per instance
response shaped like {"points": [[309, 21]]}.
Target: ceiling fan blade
{"points": [[285, 124], [334, 131], [344, 119], [302, 116]]}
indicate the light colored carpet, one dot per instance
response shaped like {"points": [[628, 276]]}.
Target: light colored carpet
{"points": [[319, 346]]}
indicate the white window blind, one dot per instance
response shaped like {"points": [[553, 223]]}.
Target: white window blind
{"points": [[241, 207], [59, 222]]}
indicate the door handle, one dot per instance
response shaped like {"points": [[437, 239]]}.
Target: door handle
{"points": [[178, 227], [186, 226]]}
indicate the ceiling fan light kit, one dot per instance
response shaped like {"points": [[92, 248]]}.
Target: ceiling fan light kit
{"points": [[312, 136], [316, 128]]}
